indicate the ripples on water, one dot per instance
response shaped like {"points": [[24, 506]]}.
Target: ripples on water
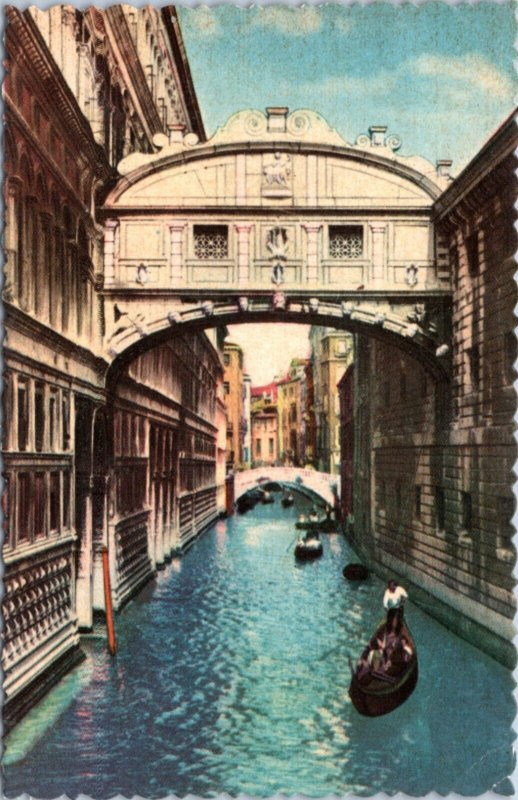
{"points": [[232, 676]]}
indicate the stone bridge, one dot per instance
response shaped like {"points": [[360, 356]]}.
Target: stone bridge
{"points": [[326, 486], [276, 218]]}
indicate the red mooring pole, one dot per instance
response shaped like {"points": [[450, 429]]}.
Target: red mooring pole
{"points": [[110, 627]]}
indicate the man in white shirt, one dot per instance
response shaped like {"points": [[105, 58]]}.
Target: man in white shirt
{"points": [[393, 601]]}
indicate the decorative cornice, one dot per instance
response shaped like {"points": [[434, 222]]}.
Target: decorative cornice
{"points": [[18, 320], [494, 162], [25, 45], [170, 20], [119, 27]]}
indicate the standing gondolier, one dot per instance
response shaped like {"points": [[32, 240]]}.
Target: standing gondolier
{"points": [[394, 601]]}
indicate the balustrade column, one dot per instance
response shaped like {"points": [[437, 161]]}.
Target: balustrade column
{"points": [[110, 232], [176, 253], [313, 232], [243, 252], [378, 251]]}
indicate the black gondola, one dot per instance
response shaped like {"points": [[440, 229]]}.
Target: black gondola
{"points": [[323, 525], [287, 500], [308, 549], [355, 572], [267, 498], [376, 692]]}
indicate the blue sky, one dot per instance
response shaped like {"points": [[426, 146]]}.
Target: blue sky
{"points": [[441, 76]]}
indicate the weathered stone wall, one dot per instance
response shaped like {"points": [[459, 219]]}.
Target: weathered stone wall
{"points": [[434, 460]]}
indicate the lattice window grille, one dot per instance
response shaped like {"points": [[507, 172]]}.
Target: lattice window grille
{"points": [[346, 242], [211, 242]]}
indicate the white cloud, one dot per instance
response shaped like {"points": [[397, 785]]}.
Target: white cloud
{"points": [[296, 21], [203, 21], [472, 70], [351, 85]]}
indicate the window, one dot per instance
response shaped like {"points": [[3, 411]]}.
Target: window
{"points": [[386, 393], [345, 241], [258, 447], [53, 420], [39, 504], [23, 415], [505, 512], [474, 364], [467, 511], [226, 359], [472, 254], [54, 501], [141, 485], [65, 408], [226, 388], [211, 242], [440, 509], [270, 446], [418, 502], [39, 417], [510, 350], [24, 506]]}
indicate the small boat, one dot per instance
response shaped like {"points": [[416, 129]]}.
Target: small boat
{"points": [[287, 500], [267, 498], [323, 525], [376, 691], [355, 572], [308, 548]]}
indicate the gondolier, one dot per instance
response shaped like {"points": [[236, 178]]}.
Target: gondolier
{"points": [[393, 602]]}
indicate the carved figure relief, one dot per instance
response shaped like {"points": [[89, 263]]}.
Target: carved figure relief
{"points": [[277, 175]]}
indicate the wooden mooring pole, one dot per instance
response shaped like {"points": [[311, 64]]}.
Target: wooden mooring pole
{"points": [[110, 627]]}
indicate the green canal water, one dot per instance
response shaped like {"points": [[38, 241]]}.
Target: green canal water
{"points": [[232, 677]]}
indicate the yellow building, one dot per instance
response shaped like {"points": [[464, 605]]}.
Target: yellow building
{"points": [[234, 402]]}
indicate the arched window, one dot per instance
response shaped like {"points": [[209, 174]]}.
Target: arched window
{"points": [[41, 262]]}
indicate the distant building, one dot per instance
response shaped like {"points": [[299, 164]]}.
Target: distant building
{"points": [[308, 415], [247, 423], [331, 353], [264, 424], [234, 401], [346, 394], [291, 422]]}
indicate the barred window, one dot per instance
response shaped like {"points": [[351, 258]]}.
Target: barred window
{"points": [[211, 241], [345, 241]]}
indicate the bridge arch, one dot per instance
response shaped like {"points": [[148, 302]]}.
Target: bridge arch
{"points": [[321, 485], [142, 334]]}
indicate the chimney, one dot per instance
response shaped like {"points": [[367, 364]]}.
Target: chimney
{"points": [[443, 167], [277, 117], [377, 134]]}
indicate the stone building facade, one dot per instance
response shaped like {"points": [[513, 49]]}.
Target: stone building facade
{"points": [[130, 463], [235, 404], [331, 353], [433, 492]]}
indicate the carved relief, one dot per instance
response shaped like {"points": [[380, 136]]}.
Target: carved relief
{"points": [[277, 175]]}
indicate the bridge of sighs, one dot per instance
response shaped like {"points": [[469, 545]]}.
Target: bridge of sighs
{"points": [[276, 217]]}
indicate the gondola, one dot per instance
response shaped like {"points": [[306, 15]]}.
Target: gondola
{"points": [[308, 549], [267, 498], [287, 500], [374, 693], [355, 572], [323, 525]]}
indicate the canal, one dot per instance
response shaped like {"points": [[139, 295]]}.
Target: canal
{"points": [[232, 677]]}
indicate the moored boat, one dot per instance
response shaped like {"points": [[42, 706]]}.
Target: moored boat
{"points": [[267, 498], [378, 688], [355, 572], [287, 500], [308, 548]]}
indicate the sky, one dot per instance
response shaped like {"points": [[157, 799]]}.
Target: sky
{"points": [[269, 347], [440, 76]]}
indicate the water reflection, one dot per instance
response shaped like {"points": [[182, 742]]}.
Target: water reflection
{"points": [[232, 677]]}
